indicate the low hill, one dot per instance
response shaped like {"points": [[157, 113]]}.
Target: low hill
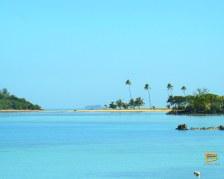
{"points": [[11, 102]]}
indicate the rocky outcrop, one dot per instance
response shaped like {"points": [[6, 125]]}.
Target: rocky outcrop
{"points": [[183, 127], [221, 127], [197, 173]]}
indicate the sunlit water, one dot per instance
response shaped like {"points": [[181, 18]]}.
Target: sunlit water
{"points": [[88, 146]]}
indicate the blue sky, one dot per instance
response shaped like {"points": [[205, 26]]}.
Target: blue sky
{"points": [[68, 53]]}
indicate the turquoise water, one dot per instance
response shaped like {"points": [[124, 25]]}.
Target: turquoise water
{"points": [[89, 146]]}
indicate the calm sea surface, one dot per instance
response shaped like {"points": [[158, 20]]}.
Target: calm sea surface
{"points": [[89, 146]]}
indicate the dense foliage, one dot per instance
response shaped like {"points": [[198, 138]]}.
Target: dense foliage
{"points": [[132, 104], [201, 102], [8, 101]]}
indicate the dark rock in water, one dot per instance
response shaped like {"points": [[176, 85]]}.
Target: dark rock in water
{"points": [[195, 129], [197, 173], [204, 129], [182, 127], [221, 127]]}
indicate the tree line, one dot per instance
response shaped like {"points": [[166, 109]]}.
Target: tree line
{"points": [[202, 102], [139, 102], [132, 104]]}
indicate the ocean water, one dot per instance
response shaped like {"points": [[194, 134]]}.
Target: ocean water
{"points": [[89, 146]]}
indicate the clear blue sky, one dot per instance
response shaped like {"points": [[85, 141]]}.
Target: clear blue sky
{"points": [[69, 53]]}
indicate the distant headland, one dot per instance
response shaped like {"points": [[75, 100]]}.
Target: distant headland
{"points": [[11, 103]]}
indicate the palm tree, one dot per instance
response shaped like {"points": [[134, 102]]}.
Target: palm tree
{"points": [[5, 92], [148, 88], [128, 83], [119, 103], [132, 103], [184, 88], [112, 105], [125, 105], [138, 102], [170, 89]]}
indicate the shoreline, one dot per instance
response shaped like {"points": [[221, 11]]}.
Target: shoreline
{"points": [[14, 110], [124, 110], [92, 111]]}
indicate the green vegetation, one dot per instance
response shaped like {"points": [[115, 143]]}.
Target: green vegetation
{"points": [[11, 102], [170, 89], [132, 104], [202, 102], [148, 88], [184, 89], [128, 83]]}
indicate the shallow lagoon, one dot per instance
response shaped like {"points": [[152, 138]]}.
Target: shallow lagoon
{"points": [[112, 145]]}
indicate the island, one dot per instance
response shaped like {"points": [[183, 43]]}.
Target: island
{"points": [[200, 103], [10, 102]]}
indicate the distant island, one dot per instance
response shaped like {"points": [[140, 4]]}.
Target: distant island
{"points": [[202, 102], [11, 102], [93, 107]]}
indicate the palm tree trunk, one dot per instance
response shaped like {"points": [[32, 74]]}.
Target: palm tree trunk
{"points": [[149, 96], [130, 95], [170, 92]]}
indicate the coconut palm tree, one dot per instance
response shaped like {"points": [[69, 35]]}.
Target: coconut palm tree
{"points": [[132, 103], [170, 89], [184, 88], [148, 88], [119, 103], [138, 102], [128, 83], [112, 105]]}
